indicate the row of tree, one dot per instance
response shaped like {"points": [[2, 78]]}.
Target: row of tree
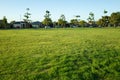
{"points": [[113, 20]]}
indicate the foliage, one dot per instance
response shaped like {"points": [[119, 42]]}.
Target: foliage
{"points": [[74, 22], [47, 21], [62, 21], [77, 16], [47, 15], [27, 16], [60, 54], [115, 19], [5, 20], [91, 18], [3, 23], [104, 21], [105, 12], [112, 20], [82, 23]]}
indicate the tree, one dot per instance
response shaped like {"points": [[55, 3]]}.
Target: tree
{"points": [[82, 23], [62, 21], [104, 21], [105, 18], [90, 19], [3, 22], [47, 15], [27, 16], [74, 22], [115, 19], [47, 21], [100, 22]]}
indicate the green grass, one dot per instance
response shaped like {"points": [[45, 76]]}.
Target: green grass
{"points": [[60, 54]]}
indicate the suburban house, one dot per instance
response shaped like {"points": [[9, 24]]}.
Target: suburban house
{"points": [[19, 24], [36, 24]]}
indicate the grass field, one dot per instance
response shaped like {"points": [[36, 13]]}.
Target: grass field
{"points": [[60, 54]]}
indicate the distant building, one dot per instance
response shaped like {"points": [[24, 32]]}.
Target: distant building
{"points": [[36, 24], [19, 24]]}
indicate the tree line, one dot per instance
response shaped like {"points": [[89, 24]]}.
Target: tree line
{"points": [[105, 21]]}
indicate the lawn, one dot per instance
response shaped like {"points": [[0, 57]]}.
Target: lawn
{"points": [[60, 54]]}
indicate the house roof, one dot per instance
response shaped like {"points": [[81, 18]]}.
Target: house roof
{"points": [[18, 22], [36, 23]]}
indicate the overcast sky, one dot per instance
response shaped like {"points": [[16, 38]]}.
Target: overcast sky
{"points": [[15, 9]]}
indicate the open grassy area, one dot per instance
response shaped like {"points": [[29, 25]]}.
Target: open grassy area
{"points": [[60, 54]]}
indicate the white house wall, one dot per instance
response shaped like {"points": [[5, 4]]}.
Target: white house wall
{"points": [[17, 25]]}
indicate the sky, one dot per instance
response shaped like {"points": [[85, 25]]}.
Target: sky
{"points": [[15, 9]]}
